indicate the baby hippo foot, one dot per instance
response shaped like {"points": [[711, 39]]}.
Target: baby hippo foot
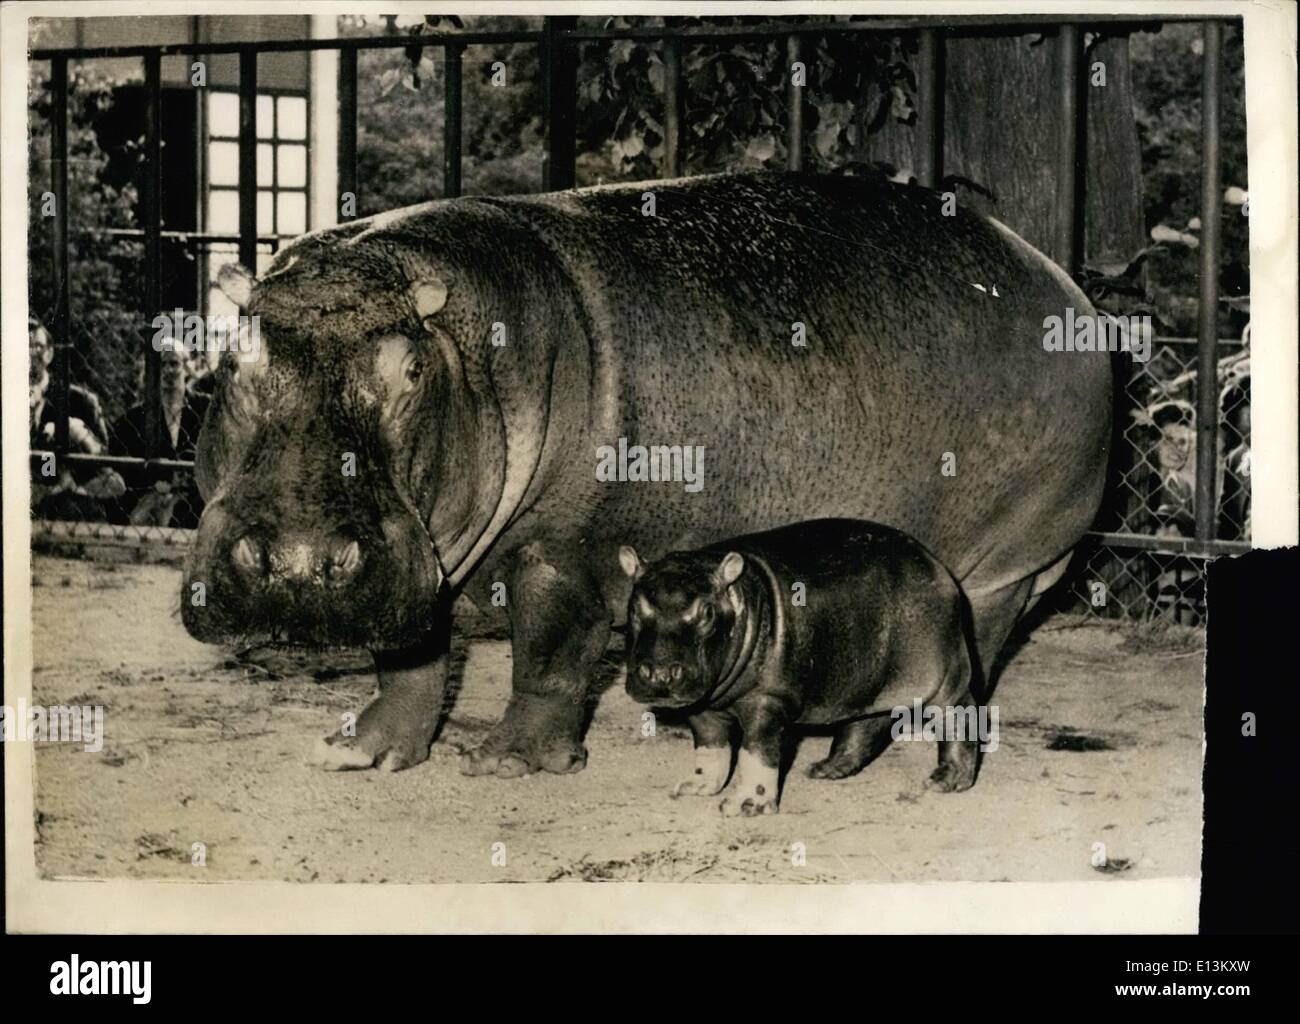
{"points": [[756, 789], [856, 745], [837, 766], [956, 771], [712, 766]]}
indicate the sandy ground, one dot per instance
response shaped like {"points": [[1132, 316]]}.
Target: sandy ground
{"points": [[1101, 742]]}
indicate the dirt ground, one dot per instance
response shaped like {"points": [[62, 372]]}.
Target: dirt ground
{"points": [[1101, 742]]}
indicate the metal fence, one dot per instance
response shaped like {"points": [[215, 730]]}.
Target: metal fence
{"points": [[1166, 516]]}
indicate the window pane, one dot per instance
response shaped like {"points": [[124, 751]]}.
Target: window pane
{"points": [[291, 112], [293, 213], [265, 226], [218, 304], [223, 113], [265, 117], [265, 167], [223, 212], [219, 254], [264, 262], [292, 166], [223, 163]]}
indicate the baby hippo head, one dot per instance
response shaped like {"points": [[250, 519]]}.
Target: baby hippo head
{"points": [[679, 624]]}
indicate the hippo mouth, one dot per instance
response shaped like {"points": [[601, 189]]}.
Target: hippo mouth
{"points": [[247, 583]]}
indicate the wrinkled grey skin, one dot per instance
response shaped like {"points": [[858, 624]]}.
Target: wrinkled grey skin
{"points": [[475, 463]]}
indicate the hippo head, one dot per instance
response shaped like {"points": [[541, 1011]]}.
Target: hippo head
{"points": [[345, 454], [680, 624]]}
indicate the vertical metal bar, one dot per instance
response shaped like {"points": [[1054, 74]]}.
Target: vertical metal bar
{"points": [[248, 160], [794, 104], [152, 215], [929, 154], [347, 121], [452, 106], [1067, 84], [61, 369], [560, 75], [1207, 362], [672, 107]]}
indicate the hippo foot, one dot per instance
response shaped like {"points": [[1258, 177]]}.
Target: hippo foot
{"points": [[378, 743], [694, 788], [535, 734], [697, 787], [748, 806], [712, 767], [834, 767], [951, 777]]}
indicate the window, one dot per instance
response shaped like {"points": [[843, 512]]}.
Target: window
{"points": [[281, 178]]}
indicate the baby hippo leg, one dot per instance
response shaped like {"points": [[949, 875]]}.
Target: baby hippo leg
{"points": [[855, 745], [712, 732], [758, 769], [959, 756]]}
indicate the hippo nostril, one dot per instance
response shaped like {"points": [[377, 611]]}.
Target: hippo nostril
{"points": [[344, 560], [247, 555]]}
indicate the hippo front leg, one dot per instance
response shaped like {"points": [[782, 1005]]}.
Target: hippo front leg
{"points": [[559, 630], [757, 787], [397, 727], [712, 732]]}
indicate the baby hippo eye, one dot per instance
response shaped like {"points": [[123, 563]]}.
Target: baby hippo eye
{"points": [[704, 618]]}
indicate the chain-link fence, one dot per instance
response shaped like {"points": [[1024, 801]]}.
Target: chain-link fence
{"points": [[1145, 561]]}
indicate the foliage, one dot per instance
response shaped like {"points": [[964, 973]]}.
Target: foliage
{"points": [[734, 98], [400, 147], [105, 321], [1167, 106]]}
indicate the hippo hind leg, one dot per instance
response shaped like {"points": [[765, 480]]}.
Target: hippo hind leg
{"points": [[959, 757], [994, 615], [854, 746], [559, 630]]}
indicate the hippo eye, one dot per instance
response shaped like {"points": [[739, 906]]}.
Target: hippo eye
{"points": [[399, 370], [413, 370], [704, 618]]}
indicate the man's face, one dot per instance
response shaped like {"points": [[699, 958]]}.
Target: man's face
{"points": [[173, 371], [41, 351]]}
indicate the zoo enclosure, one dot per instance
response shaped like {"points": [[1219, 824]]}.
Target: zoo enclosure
{"points": [[1131, 558]]}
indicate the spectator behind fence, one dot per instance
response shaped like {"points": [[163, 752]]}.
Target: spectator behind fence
{"points": [[65, 491], [159, 496]]}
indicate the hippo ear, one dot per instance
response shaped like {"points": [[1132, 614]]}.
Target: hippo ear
{"points": [[428, 296], [728, 570], [236, 284], [631, 562]]}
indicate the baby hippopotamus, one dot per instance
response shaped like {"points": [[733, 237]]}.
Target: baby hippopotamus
{"points": [[832, 621]]}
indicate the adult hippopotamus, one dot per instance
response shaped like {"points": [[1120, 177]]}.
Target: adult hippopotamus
{"points": [[438, 390]]}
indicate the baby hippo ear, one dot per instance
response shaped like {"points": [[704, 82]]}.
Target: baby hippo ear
{"points": [[631, 562], [728, 570], [428, 297], [236, 284]]}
